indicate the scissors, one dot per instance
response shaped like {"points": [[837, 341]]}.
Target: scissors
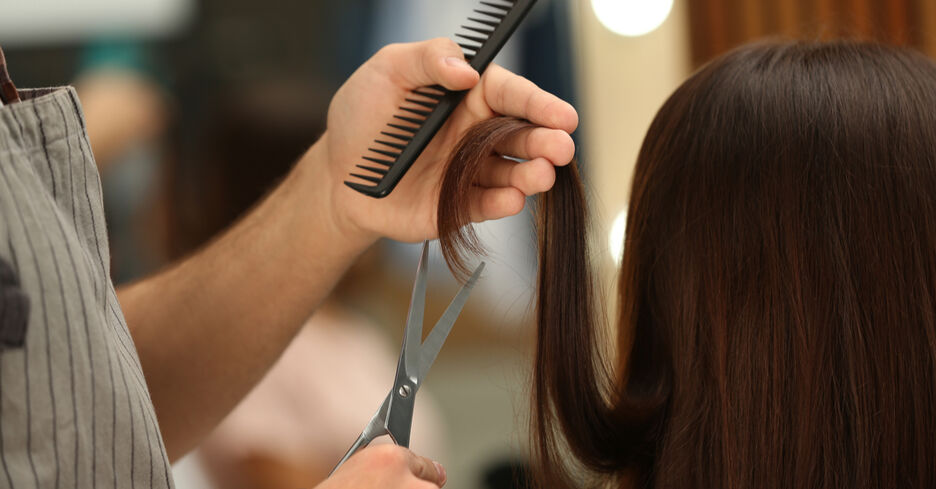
{"points": [[395, 416]]}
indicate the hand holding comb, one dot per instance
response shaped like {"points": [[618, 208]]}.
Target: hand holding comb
{"points": [[406, 137]]}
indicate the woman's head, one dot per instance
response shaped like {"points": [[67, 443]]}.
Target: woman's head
{"points": [[779, 278], [777, 325]]}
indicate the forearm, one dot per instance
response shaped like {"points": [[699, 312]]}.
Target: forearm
{"points": [[208, 328]]}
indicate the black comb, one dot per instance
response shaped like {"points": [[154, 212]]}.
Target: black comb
{"points": [[428, 108]]}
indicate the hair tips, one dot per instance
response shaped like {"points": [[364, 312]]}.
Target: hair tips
{"points": [[570, 405]]}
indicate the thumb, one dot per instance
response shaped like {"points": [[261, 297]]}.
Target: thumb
{"points": [[427, 470], [434, 62]]}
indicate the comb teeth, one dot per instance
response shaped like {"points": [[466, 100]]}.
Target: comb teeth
{"points": [[366, 177], [500, 7], [379, 171], [413, 130], [480, 30], [477, 39], [401, 137], [430, 105], [411, 120], [434, 96], [424, 113], [378, 161], [398, 146], [384, 152], [426, 109], [484, 26], [496, 15], [484, 22]]}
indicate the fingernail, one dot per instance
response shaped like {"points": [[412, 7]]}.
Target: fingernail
{"points": [[457, 62], [441, 471]]}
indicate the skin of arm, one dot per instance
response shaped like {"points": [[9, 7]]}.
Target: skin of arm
{"points": [[209, 327]]}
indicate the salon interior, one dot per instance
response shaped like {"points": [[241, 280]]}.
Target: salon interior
{"points": [[183, 98]]}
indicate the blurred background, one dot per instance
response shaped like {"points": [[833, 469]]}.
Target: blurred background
{"points": [[196, 108]]}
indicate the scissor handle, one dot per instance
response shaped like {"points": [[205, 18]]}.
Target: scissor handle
{"points": [[360, 443]]}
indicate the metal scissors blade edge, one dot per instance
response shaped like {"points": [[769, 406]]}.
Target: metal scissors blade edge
{"points": [[430, 348]]}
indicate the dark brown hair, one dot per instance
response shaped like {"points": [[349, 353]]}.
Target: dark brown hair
{"points": [[777, 324]]}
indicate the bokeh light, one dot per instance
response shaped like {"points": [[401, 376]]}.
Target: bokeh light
{"points": [[616, 236], [632, 17]]}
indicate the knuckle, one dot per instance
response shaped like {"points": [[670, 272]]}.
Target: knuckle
{"points": [[553, 143], [444, 44], [390, 51], [545, 177]]}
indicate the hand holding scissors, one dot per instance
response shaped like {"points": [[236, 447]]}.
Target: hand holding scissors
{"points": [[395, 415]]}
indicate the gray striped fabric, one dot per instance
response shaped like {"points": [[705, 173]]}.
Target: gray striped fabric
{"points": [[74, 408]]}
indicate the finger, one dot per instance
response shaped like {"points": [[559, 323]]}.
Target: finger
{"points": [[495, 203], [509, 94], [539, 142], [529, 177], [434, 62], [426, 469]]}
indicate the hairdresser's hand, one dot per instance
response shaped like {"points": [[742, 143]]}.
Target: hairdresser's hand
{"points": [[368, 100], [386, 467]]}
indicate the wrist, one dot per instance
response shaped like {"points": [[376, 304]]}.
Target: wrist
{"points": [[321, 198]]}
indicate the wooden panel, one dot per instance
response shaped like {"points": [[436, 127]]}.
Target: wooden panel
{"points": [[825, 21], [700, 32], [807, 16], [860, 18], [752, 15], [926, 25], [788, 15], [897, 21], [719, 25], [771, 17], [735, 20]]}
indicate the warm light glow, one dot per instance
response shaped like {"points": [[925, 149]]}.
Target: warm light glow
{"points": [[616, 237], [632, 17]]}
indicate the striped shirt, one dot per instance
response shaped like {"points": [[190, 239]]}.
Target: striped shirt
{"points": [[74, 408]]}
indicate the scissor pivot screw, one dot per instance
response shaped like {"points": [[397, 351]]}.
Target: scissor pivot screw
{"points": [[404, 391]]}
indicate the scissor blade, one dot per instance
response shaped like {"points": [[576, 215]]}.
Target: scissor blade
{"points": [[412, 336], [433, 344], [377, 426]]}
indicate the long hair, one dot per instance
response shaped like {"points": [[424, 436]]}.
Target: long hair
{"points": [[777, 323]]}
